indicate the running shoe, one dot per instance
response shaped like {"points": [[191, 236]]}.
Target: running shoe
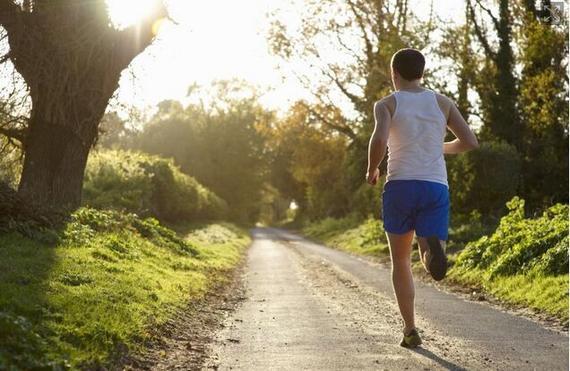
{"points": [[411, 340], [437, 260]]}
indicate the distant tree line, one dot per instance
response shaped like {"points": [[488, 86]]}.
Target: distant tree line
{"points": [[505, 67]]}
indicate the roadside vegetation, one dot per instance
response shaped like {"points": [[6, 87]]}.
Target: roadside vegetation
{"points": [[147, 185], [84, 294], [79, 288], [524, 261], [351, 234]]}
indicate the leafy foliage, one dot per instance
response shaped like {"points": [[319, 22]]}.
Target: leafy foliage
{"points": [[484, 179], [529, 109], [219, 145], [522, 245], [148, 186], [544, 106]]}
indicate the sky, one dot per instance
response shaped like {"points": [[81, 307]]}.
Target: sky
{"points": [[214, 40]]}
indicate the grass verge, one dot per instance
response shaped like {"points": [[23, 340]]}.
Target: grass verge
{"points": [[350, 234], [547, 294], [83, 295]]}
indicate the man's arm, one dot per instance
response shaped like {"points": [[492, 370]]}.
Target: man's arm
{"points": [[466, 139], [378, 140]]}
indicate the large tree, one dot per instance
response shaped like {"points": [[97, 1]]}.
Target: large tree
{"points": [[523, 88], [544, 105], [71, 58], [497, 82]]}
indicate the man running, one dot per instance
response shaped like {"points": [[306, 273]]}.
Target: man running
{"points": [[412, 123]]}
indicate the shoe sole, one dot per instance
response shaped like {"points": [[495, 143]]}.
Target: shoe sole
{"points": [[438, 262], [414, 342]]}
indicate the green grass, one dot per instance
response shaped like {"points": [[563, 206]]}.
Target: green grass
{"points": [[543, 293], [350, 234], [97, 290]]}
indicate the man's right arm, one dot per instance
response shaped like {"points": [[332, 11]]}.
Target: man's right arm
{"points": [[378, 140], [466, 139]]}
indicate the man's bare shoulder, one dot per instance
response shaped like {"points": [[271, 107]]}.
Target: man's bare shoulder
{"points": [[443, 99], [445, 103], [389, 102]]}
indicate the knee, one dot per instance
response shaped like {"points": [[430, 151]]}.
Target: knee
{"points": [[401, 260]]}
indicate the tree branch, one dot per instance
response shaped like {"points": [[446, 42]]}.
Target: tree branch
{"points": [[352, 52], [493, 18], [331, 75], [9, 11], [479, 33], [346, 130], [367, 42], [135, 39], [18, 134]]}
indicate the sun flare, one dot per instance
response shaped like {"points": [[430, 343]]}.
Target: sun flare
{"points": [[125, 13]]}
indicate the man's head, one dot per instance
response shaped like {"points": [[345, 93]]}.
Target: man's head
{"points": [[408, 65]]}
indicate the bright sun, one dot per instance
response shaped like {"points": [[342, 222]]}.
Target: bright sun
{"points": [[124, 13]]}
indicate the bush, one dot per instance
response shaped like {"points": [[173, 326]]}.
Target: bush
{"points": [[148, 186], [465, 228], [86, 223], [484, 179], [555, 260], [10, 163], [367, 200], [522, 245]]}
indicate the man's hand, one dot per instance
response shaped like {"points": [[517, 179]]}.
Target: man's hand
{"points": [[372, 176]]}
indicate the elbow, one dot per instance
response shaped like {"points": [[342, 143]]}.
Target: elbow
{"points": [[473, 144]]}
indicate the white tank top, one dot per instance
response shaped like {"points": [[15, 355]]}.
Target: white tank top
{"points": [[415, 143]]}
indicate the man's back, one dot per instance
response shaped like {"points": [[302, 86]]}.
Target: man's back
{"points": [[417, 132]]}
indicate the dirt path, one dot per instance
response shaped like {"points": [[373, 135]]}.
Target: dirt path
{"points": [[308, 307], [303, 306]]}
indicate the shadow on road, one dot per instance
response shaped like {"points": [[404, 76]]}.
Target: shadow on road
{"points": [[442, 362]]}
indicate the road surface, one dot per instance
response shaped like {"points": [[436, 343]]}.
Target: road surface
{"points": [[309, 307]]}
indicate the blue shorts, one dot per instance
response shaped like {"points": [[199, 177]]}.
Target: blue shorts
{"points": [[417, 205]]}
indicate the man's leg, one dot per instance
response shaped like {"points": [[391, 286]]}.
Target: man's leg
{"points": [[424, 251], [402, 279]]}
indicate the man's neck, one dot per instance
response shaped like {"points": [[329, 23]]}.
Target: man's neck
{"points": [[414, 85]]}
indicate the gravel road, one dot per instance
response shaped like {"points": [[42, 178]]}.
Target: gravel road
{"points": [[309, 307]]}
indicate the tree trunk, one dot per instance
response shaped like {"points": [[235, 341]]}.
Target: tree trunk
{"points": [[71, 59], [61, 131], [55, 159]]}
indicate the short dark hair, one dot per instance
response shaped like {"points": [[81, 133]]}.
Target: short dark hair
{"points": [[409, 63]]}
